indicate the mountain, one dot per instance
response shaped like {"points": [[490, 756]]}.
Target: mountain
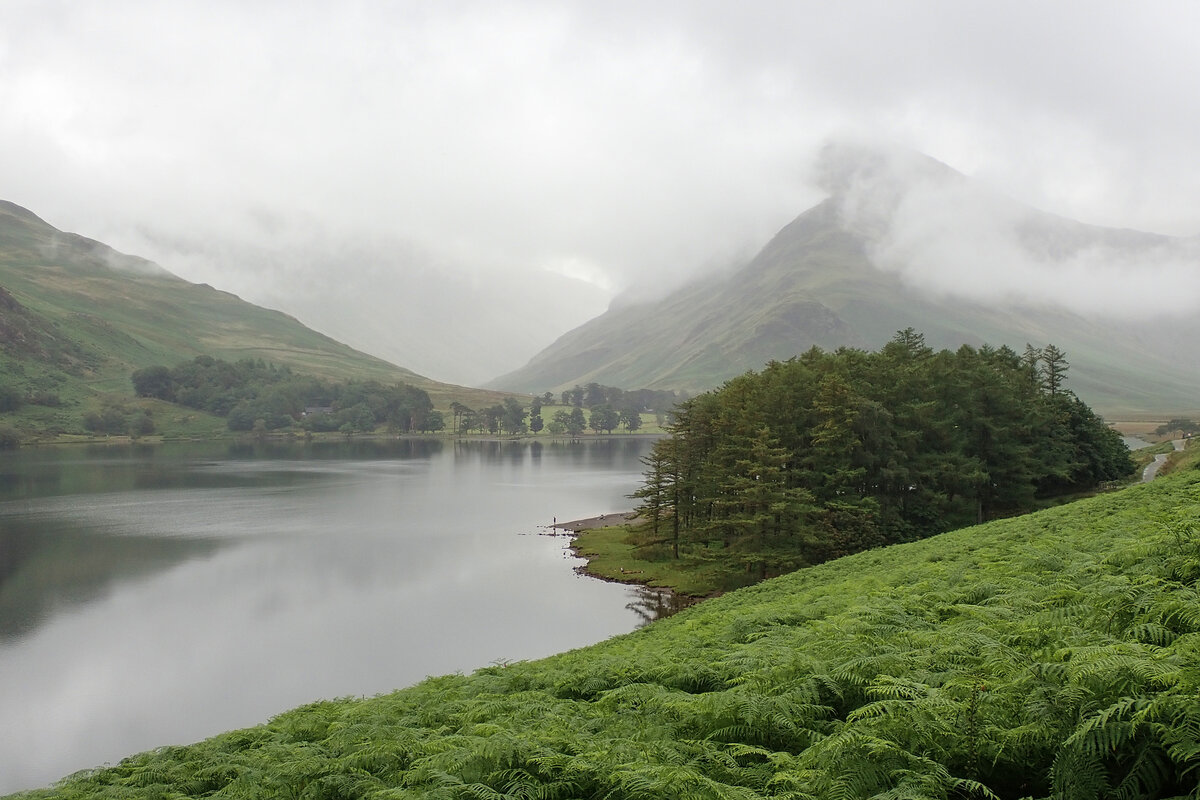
{"points": [[77, 317], [875, 258]]}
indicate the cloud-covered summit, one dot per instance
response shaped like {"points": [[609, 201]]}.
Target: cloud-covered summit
{"points": [[949, 235], [628, 145]]}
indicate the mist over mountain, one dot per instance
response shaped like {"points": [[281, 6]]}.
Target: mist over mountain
{"points": [[77, 317], [905, 241], [392, 298]]}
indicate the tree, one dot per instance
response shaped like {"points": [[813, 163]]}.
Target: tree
{"points": [[572, 421], [360, 418], [11, 398], [657, 493], [604, 418], [535, 423], [631, 419], [1031, 365], [241, 417], [1180, 425], [513, 416], [457, 409], [154, 382], [1054, 369], [431, 422]]}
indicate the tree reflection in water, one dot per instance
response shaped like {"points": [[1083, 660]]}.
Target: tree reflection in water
{"points": [[653, 603]]}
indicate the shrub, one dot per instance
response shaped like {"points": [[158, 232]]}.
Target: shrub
{"points": [[11, 398], [9, 439]]}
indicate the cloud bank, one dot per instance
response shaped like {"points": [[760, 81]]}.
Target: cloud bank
{"points": [[949, 235], [505, 145]]}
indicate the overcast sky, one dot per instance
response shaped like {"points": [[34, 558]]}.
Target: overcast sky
{"points": [[525, 162]]}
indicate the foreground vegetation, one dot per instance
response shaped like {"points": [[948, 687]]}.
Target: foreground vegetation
{"points": [[1051, 655]]}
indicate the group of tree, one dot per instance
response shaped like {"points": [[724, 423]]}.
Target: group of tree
{"points": [[831, 453], [595, 394], [508, 417], [513, 419], [13, 399], [1180, 426], [119, 419], [254, 395]]}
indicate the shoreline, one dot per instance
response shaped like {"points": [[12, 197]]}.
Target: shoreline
{"points": [[600, 542], [602, 521], [611, 520]]}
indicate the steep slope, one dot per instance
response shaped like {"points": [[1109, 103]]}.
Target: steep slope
{"points": [[77, 317], [817, 282]]}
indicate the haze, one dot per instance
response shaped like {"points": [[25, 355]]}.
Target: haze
{"points": [[453, 185]]}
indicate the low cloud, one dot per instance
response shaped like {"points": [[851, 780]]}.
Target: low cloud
{"points": [[265, 148], [947, 234]]}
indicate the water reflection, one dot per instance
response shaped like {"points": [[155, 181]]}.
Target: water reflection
{"points": [[652, 604], [41, 575], [152, 595]]}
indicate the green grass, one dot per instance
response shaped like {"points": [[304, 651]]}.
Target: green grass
{"points": [[614, 553], [1051, 655]]}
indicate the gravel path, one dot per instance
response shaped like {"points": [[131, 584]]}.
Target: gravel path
{"points": [[1151, 470]]}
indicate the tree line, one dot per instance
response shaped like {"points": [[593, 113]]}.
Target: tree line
{"points": [[254, 395], [608, 408], [832, 453], [512, 418]]}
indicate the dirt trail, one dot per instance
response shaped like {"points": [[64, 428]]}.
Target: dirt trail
{"points": [[1151, 470]]}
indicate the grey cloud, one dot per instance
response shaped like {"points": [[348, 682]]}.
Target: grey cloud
{"points": [[631, 144], [946, 234]]}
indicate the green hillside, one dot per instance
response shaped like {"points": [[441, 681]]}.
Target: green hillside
{"points": [[77, 317], [1052, 655], [814, 283]]}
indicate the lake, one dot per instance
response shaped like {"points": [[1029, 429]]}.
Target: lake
{"points": [[154, 595]]}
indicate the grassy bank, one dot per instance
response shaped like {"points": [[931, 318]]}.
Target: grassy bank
{"points": [[1049, 655], [613, 554]]}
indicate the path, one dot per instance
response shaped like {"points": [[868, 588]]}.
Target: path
{"points": [[1151, 470]]}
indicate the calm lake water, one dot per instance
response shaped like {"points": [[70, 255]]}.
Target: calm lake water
{"points": [[155, 595]]}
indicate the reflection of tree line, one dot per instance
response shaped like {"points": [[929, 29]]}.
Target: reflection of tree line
{"points": [[590, 453], [43, 570], [655, 604]]}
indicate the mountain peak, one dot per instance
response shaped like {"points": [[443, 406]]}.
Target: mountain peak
{"points": [[901, 241], [843, 165]]}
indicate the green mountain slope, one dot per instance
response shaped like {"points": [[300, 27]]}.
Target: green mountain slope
{"points": [[1051, 655], [77, 317], [815, 283]]}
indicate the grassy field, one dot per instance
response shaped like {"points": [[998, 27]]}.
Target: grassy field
{"points": [[613, 554], [1051, 655]]}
